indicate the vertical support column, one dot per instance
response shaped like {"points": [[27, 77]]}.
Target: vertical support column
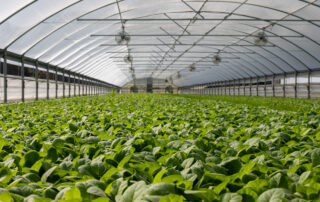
{"points": [[273, 87], [239, 87], [284, 85], [250, 86], [74, 84], [89, 87], [48, 85], [92, 88], [309, 84], [216, 92], [63, 87], [86, 86], [5, 82], [37, 79], [83, 83], [225, 87], [69, 81], [257, 86], [79, 85], [265, 86], [22, 80], [244, 87], [56, 78], [295, 84], [234, 87]]}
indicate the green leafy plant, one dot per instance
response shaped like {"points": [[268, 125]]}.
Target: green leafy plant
{"points": [[143, 147]]}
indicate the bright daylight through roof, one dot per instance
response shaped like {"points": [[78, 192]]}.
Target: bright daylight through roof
{"points": [[159, 100]]}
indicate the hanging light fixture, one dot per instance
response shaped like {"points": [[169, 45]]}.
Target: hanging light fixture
{"points": [[261, 39]]}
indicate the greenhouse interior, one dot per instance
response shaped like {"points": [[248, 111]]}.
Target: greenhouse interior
{"points": [[159, 100]]}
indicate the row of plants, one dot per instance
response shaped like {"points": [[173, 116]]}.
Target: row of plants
{"points": [[140, 147], [278, 103]]}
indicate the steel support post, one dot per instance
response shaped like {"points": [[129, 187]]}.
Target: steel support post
{"points": [[74, 85], [82, 86], [244, 87], [295, 85], [218, 88], [250, 87], [273, 86], [221, 87], [265, 86], [257, 86], [48, 85], [284, 85], [56, 80], [63, 84], [309, 84], [234, 87], [229, 86], [86, 86], [5, 81], [22, 80], [79, 85], [37, 79], [239, 82], [69, 81], [89, 87], [225, 87]]}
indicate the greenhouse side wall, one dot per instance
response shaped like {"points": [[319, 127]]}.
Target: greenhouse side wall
{"points": [[293, 85], [31, 82]]}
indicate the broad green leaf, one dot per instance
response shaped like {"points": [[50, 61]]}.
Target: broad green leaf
{"points": [[73, 194], [275, 195], [96, 191], [47, 174], [158, 177], [30, 158], [315, 157], [5, 197], [231, 197], [133, 192], [172, 198], [101, 199]]}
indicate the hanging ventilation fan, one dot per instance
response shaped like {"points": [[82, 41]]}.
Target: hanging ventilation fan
{"points": [[261, 39], [216, 59], [122, 38], [192, 68], [128, 59]]}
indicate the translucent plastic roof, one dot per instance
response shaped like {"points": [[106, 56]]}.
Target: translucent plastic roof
{"points": [[166, 37]]}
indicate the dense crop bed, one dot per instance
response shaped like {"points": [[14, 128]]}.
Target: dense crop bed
{"points": [[153, 147]]}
